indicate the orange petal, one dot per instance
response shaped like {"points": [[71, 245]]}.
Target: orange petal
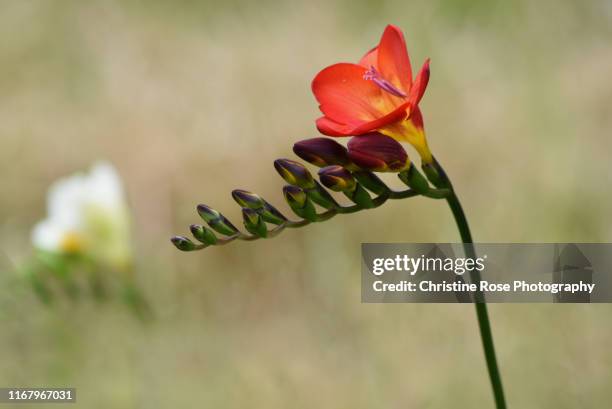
{"points": [[416, 118], [330, 128], [344, 96], [396, 115], [420, 83], [393, 60], [370, 59]]}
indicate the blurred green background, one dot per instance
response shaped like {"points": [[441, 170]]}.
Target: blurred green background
{"points": [[190, 99]]}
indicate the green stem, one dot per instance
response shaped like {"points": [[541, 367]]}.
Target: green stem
{"points": [[481, 307]]}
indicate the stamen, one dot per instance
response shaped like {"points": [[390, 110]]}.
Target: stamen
{"points": [[373, 75]]}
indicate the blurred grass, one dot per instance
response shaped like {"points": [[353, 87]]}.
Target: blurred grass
{"points": [[193, 98]]}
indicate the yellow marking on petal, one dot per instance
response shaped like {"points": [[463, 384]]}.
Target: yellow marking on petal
{"points": [[71, 243], [406, 131]]}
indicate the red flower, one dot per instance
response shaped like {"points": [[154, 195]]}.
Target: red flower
{"points": [[378, 94]]}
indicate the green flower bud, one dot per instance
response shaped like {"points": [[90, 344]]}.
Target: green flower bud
{"points": [[248, 199], [254, 223], [207, 213], [435, 174], [216, 220], [183, 243], [322, 152], [413, 178], [294, 173], [337, 178], [295, 196], [378, 152], [203, 234], [299, 202], [223, 226]]}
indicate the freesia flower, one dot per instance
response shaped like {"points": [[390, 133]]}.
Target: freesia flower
{"points": [[87, 215], [377, 94]]}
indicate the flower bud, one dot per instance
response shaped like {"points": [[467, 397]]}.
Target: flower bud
{"points": [[216, 220], [207, 213], [377, 152], [254, 223], [295, 196], [294, 173], [223, 226], [248, 199], [250, 216], [435, 174], [415, 179], [299, 202], [322, 152], [203, 234], [183, 243], [337, 178]]}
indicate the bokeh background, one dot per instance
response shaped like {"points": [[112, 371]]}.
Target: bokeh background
{"points": [[190, 99]]}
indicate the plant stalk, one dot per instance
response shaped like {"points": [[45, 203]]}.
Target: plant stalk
{"points": [[481, 307]]}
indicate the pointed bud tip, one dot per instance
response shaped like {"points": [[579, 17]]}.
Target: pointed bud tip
{"points": [[207, 213], [248, 199], [321, 152], [294, 173], [182, 243]]}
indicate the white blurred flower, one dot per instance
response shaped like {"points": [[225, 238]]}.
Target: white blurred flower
{"points": [[87, 214]]}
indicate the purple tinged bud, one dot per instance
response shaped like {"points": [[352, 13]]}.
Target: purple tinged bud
{"points": [[295, 196], [207, 213], [216, 220], [203, 234], [183, 243], [337, 178], [322, 152], [378, 152], [223, 226], [254, 223], [294, 173], [250, 216], [248, 199]]}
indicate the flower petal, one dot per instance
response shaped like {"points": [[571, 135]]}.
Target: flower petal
{"points": [[330, 128], [393, 60], [396, 115], [416, 118], [420, 83], [370, 59], [344, 96], [47, 235]]}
